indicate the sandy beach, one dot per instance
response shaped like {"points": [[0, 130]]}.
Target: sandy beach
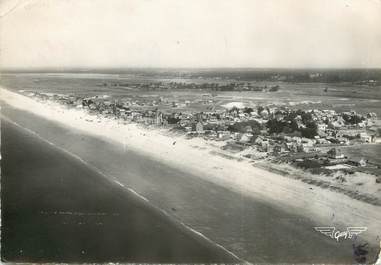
{"points": [[324, 206]]}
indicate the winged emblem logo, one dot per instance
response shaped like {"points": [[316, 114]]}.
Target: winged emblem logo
{"points": [[336, 234]]}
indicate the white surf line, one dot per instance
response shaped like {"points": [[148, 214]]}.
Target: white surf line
{"points": [[139, 195], [120, 184], [187, 227]]}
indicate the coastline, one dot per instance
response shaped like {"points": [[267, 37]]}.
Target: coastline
{"points": [[239, 176], [98, 226]]}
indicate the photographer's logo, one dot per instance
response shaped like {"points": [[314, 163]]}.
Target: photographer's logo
{"points": [[334, 233]]}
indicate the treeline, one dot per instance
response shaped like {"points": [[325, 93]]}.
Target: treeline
{"points": [[311, 75]]}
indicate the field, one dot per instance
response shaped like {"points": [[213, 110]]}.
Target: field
{"points": [[339, 96]]}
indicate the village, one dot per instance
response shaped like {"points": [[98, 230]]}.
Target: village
{"points": [[308, 139], [215, 86]]}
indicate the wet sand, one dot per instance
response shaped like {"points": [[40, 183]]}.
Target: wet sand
{"points": [[56, 209]]}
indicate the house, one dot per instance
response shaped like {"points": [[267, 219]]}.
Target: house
{"points": [[92, 106], [223, 135], [308, 141], [245, 138], [292, 147], [322, 141], [265, 146], [159, 118], [322, 127], [342, 140], [304, 148], [360, 162], [264, 114], [336, 124], [364, 137], [199, 127], [279, 149], [335, 153], [297, 140], [259, 140]]}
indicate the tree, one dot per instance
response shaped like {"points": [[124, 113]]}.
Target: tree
{"points": [[307, 164], [242, 127], [275, 126], [172, 120], [294, 125], [248, 110], [310, 131], [260, 109], [352, 119], [306, 117]]}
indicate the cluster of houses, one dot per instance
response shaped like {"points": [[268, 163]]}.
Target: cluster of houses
{"points": [[222, 86], [268, 131]]}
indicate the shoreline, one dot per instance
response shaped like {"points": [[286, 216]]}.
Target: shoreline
{"points": [[239, 176], [62, 216]]}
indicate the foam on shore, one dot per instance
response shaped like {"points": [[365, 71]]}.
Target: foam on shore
{"points": [[323, 206]]}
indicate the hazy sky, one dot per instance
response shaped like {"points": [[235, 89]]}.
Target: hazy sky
{"points": [[190, 33]]}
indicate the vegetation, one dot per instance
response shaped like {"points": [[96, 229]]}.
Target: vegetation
{"points": [[310, 131], [352, 119], [246, 126], [288, 124]]}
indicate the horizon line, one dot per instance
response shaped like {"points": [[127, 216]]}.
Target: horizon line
{"points": [[87, 69]]}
